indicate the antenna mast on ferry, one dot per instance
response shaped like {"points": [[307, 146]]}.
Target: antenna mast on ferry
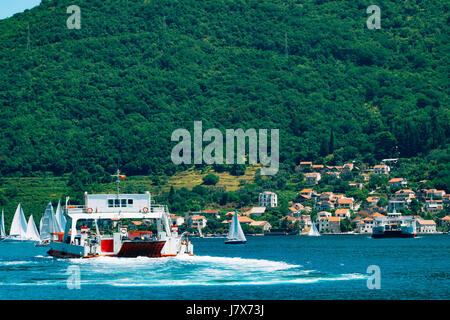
{"points": [[119, 176]]}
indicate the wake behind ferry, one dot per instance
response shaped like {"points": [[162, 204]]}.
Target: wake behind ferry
{"points": [[102, 227]]}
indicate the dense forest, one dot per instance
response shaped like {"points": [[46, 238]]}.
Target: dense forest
{"points": [[79, 101]]}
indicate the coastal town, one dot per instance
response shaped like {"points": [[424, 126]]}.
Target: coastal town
{"points": [[332, 212]]}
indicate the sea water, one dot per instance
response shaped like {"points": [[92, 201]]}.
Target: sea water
{"points": [[270, 267]]}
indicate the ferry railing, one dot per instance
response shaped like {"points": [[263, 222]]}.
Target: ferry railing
{"points": [[75, 209]]}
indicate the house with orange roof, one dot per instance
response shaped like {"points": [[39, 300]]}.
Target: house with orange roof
{"points": [[318, 167], [404, 194], [365, 225], [346, 203], [307, 192], [435, 194], [289, 218], [330, 224], [312, 178], [241, 219], [197, 221], [446, 198], [372, 201], [381, 169], [434, 206], [324, 205], [266, 226], [397, 183], [342, 213], [426, 226], [305, 164], [377, 215], [296, 208], [326, 196], [445, 221]]}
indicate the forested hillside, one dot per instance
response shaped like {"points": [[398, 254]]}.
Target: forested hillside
{"points": [[74, 101]]}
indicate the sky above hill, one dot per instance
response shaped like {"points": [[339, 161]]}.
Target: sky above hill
{"points": [[9, 7]]}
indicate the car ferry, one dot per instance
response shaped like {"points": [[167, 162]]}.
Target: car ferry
{"points": [[394, 226], [119, 225]]}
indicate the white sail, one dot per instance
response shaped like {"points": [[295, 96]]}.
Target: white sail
{"points": [[56, 226], [40, 225], [49, 224], [61, 220], [2, 228], [235, 232], [313, 231], [19, 225], [32, 233]]}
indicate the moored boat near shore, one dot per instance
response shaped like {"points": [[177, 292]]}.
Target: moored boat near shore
{"points": [[394, 226]]}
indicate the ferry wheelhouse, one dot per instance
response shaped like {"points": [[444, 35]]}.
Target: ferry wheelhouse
{"points": [[119, 225], [394, 226]]}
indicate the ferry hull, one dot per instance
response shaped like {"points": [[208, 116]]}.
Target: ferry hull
{"points": [[235, 242], [129, 249], [393, 234], [62, 254]]}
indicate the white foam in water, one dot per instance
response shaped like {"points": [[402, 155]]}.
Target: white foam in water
{"points": [[195, 271], [12, 263]]}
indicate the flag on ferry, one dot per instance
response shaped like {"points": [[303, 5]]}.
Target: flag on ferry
{"points": [[122, 176]]}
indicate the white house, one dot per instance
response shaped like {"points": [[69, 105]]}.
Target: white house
{"points": [[268, 199], [330, 224], [177, 220], [365, 225], [345, 203], [397, 183], [323, 214], [257, 211], [426, 226], [266, 226], [312, 178], [342, 213], [197, 221], [381, 169]]}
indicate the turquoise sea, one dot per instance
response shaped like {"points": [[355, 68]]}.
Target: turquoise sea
{"points": [[330, 267]]}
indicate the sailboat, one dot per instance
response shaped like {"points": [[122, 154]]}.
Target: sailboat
{"points": [[313, 231], [235, 233], [48, 226], [61, 220], [2, 228], [18, 231], [32, 233], [200, 232]]}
